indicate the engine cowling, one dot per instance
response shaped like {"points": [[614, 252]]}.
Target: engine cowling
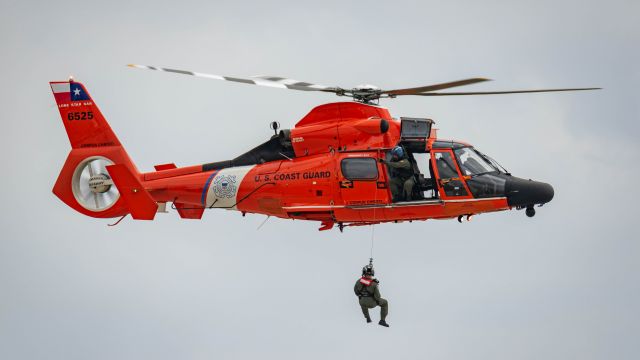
{"points": [[344, 126]]}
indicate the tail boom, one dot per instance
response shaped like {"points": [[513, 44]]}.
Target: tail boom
{"points": [[98, 178]]}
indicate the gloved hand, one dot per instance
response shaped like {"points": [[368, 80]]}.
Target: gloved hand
{"points": [[382, 160]]}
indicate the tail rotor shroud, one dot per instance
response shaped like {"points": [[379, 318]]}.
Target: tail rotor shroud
{"points": [[92, 186]]}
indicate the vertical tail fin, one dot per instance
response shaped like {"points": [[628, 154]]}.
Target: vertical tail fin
{"points": [[84, 182], [85, 124], [140, 203]]}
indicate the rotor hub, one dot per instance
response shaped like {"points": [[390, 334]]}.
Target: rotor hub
{"points": [[366, 88], [364, 93]]}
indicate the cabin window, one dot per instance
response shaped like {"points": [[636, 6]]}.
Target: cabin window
{"points": [[359, 168]]}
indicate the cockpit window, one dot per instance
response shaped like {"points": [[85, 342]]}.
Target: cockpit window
{"points": [[471, 163], [446, 167], [493, 162]]}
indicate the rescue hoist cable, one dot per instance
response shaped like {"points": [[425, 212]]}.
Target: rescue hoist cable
{"points": [[373, 228], [375, 205]]}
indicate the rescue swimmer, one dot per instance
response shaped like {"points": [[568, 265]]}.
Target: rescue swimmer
{"points": [[368, 294]]}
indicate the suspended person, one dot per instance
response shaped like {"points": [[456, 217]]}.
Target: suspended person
{"points": [[366, 289], [402, 179]]}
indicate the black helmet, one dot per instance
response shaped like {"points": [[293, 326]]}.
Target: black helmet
{"points": [[368, 270]]}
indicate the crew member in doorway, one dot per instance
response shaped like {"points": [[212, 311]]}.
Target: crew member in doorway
{"points": [[366, 289], [402, 179]]}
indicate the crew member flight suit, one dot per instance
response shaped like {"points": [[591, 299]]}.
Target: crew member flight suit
{"points": [[366, 289], [402, 181]]}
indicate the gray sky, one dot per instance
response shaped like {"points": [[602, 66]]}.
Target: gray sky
{"points": [[561, 285]]}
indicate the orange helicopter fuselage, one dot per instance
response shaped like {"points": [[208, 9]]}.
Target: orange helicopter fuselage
{"points": [[312, 185], [332, 167]]}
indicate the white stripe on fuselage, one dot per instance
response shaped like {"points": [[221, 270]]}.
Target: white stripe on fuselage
{"points": [[223, 189]]}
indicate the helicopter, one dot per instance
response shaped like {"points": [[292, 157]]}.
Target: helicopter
{"points": [[331, 167]]}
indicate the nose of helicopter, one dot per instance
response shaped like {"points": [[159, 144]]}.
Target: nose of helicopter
{"points": [[526, 193]]}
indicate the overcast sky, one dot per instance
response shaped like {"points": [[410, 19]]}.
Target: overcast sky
{"points": [[562, 285]]}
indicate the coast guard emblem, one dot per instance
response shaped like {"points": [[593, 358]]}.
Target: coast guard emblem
{"points": [[224, 186]]}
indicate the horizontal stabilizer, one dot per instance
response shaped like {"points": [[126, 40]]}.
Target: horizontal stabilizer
{"points": [[164, 167], [139, 202]]}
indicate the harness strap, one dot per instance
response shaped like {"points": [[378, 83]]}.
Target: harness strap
{"points": [[365, 284]]}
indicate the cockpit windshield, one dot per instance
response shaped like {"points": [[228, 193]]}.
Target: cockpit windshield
{"points": [[493, 162], [472, 163]]}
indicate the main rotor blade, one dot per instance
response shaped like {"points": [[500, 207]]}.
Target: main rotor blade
{"points": [[502, 92], [422, 89], [270, 81], [296, 84]]}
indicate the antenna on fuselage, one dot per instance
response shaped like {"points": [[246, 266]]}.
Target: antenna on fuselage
{"points": [[275, 126]]}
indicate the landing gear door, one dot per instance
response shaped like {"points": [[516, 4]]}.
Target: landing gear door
{"points": [[449, 180]]}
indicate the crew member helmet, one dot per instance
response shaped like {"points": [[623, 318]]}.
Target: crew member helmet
{"points": [[368, 270], [398, 151]]}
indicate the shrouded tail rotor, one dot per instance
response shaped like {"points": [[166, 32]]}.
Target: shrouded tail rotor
{"points": [[92, 186]]}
